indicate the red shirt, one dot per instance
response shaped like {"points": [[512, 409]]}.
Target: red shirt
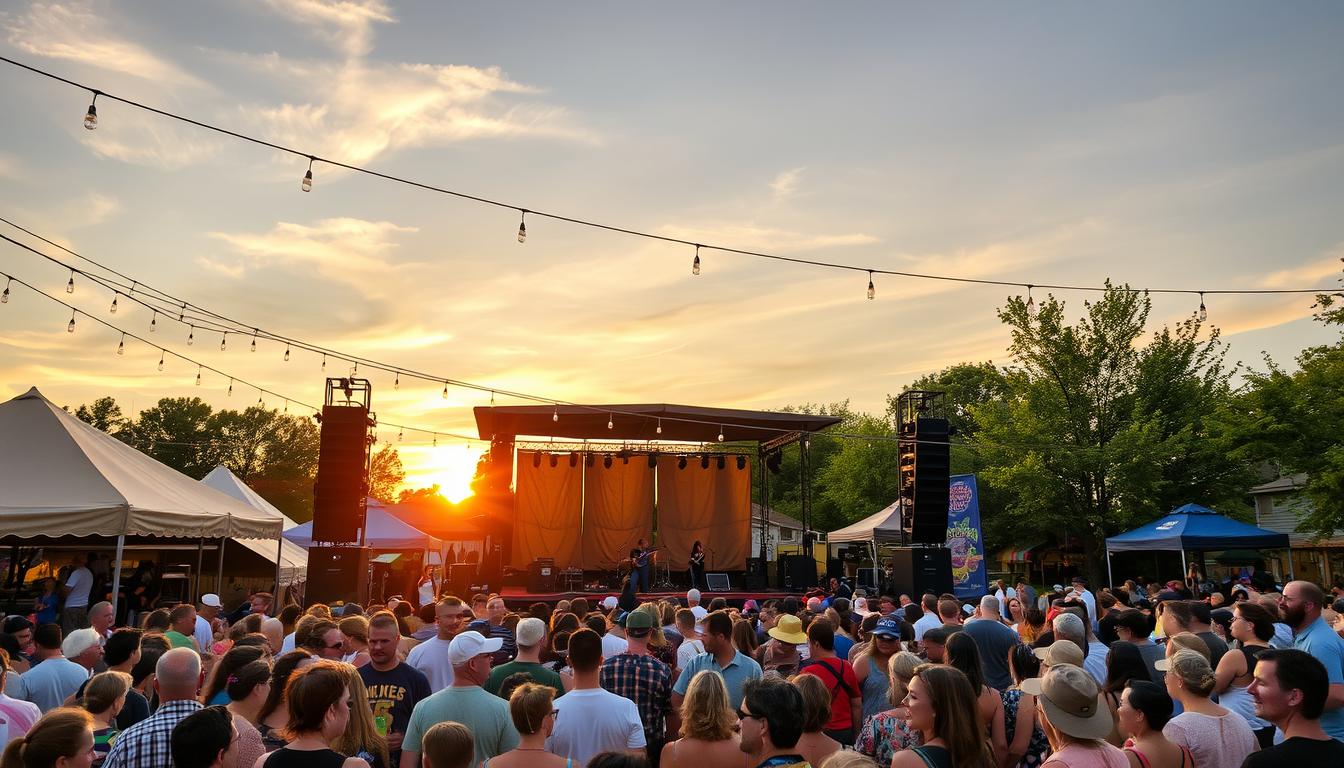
{"points": [[838, 675]]}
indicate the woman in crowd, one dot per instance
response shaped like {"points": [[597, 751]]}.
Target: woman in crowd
{"points": [[448, 745], [844, 632], [1124, 664], [157, 621], [963, 654], [1184, 641], [1145, 709], [274, 714], [1016, 613], [709, 737], [780, 654], [427, 589], [744, 638], [659, 646], [248, 689], [871, 665], [865, 635], [47, 606], [1032, 625], [142, 674], [886, 733], [1214, 735], [1074, 723], [1027, 745], [360, 737], [319, 707], [814, 745], [62, 737], [104, 697], [19, 715], [355, 640], [942, 707], [235, 659], [1252, 628], [532, 709]]}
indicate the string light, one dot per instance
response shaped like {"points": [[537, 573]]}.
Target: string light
{"points": [[71, 327], [198, 375], [396, 382], [121, 345], [191, 336], [695, 265], [154, 322], [254, 339], [522, 226], [1031, 303], [286, 353], [112, 310], [555, 415], [872, 290], [400, 432], [611, 424], [162, 354], [720, 433], [70, 284], [260, 402], [1203, 311], [324, 363], [4, 297], [307, 185], [445, 390], [230, 388], [91, 117], [659, 429], [224, 341]]}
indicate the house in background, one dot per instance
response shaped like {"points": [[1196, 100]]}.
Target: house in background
{"points": [[779, 529], [1280, 506]]}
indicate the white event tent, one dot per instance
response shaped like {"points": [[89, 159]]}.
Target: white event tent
{"points": [[293, 558], [880, 528], [62, 477]]}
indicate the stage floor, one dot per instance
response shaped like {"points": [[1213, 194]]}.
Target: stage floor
{"points": [[519, 597]]}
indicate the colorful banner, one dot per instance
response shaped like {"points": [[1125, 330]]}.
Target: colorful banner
{"points": [[963, 537]]}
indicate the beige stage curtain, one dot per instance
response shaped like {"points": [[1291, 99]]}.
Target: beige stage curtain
{"points": [[712, 505], [548, 507], [617, 509]]}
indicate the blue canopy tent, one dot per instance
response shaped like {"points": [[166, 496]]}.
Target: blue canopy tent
{"points": [[1195, 528]]}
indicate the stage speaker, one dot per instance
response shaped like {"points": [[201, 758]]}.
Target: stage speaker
{"points": [[342, 474], [541, 576], [717, 582], [756, 577], [870, 579], [460, 577], [797, 572], [337, 574], [925, 469], [916, 570]]}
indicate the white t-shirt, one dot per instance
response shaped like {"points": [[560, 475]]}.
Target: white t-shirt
{"points": [[1095, 663], [431, 658], [79, 583], [613, 646], [926, 622], [287, 644], [700, 612], [592, 721], [688, 650], [205, 639], [427, 592]]}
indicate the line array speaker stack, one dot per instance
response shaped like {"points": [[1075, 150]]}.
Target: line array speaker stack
{"points": [[342, 463], [916, 570], [926, 466]]}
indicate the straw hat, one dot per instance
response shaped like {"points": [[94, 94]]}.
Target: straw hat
{"points": [[1060, 652], [1072, 702], [789, 629]]}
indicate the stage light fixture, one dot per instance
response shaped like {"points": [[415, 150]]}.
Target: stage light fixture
{"points": [[681, 462], [555, 461], [536, 459], [653, 460], [741, 462], [573, 460], [722, 462], [704, 461], [589, 460], [606, 461]]}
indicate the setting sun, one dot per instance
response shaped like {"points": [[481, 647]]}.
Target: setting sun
{"points": [[449, 467]]}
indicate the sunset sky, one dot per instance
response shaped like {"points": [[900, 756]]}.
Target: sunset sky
{"points": [[1195, 145]]}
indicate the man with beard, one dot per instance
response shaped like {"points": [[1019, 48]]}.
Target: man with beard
{"points": [[771, 720], [1301, 604]]}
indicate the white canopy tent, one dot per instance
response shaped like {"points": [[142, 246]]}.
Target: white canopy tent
{"points": [[880, 528], [293, 558], [62, 477]]}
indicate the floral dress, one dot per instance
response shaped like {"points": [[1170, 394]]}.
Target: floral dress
{"points": [[885, 734], [1039, 747]]}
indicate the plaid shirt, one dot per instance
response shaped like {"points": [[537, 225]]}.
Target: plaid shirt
{"points": [[147, 744], [645, 681]]}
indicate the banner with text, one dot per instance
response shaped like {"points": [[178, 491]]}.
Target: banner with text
{"points": [[963, 537]]}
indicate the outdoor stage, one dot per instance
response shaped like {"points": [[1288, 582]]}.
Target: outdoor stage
{"points": [[517, 597]]}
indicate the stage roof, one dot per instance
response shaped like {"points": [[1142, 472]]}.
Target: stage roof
{"points": [[640, 422]]}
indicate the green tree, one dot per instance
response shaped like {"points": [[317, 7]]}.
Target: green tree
{"points": [[103, 413], [386, 473], [177, 432], [859, 477]]}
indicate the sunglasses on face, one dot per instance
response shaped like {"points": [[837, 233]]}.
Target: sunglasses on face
{"points": [[334, 646], [746, 715]]}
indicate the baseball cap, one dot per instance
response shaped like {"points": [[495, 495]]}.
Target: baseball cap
{"points": [[638, 623], [887, 627], [1071, 700], [211, 600], [813, 603], [1061, 652], [530, 631], [620, 618], [468, 645], [1057, 588], [968, 610], [609, 602]]}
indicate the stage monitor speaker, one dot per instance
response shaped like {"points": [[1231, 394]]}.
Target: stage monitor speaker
{"points": [[337, 574], [916, 570], [541, 576], [342, 474], [797, 572], [460, 577], [926, 464], [756, 577], [717, 582], [870, 579]]}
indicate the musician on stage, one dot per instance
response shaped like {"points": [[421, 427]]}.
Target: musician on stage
{"points": [[640, 558], [697, 565]]}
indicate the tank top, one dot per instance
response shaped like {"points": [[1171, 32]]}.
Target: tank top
{"points": [[934, 757], [1187, 759], [308, 758], [873, 688]]}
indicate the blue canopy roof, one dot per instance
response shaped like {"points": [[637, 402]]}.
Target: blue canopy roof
{"points": [[1195, 528]]}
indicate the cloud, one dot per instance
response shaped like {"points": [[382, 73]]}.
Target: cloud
{"points": [[1317, 274], [785, 184], [9, 166], [750, 237], [75, 32], [346, 25], [347, 250], [139, 138]]}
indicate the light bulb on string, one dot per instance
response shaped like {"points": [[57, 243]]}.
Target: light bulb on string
{"points": [[230, 394], [1203, 310], [307, 185], [254, 339], [71, 327], [198, 375], [4, 297], [224, 341], [91, 117], [445, 390], [872, 289], [695, 265], [396, 381], [1031, 303], [659, 428], [611, 424], [286, 405], [70, 284], [436, 441], [720, 433], [324, 362], [400, 433], [355, 371], [191, 336], [286, 353], [154, 322], [260, 402], [555, 414], [161, 356], [522, 226], [112, 310], [121, 345]]}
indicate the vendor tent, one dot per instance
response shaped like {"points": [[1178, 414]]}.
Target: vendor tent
{"points": [[1192, 528], [383, 531], [293, 558], [882, 527]]}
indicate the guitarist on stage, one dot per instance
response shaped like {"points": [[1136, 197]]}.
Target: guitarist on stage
{"points": [[697, 566], [640, 558]]}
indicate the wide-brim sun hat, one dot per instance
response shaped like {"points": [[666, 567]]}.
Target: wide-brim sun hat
{"points": [[789, 629], [1072, 702]]}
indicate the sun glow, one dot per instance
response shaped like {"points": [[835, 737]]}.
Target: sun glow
{"points": [[449, 467]]}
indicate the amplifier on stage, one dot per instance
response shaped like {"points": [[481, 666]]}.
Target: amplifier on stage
{"points": [[541, 576]]}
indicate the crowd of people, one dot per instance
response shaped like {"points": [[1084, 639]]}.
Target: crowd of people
{"points": [[1132, 676]]}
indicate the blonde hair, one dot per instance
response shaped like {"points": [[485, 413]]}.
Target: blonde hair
{"points": [[59, 733], [104, 689], [356, 627], [1194, 672], [657, 639], [848, 758], [529, 704], [448, 745], [705, 712], [1189, 641], [900, 669], [360, 733]]}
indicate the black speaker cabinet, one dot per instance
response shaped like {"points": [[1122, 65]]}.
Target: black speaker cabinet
{"points": [[797, 572], [916, 570], [338, 574], [756, 577], [541, 576], [460, 577], [342, 474]]}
